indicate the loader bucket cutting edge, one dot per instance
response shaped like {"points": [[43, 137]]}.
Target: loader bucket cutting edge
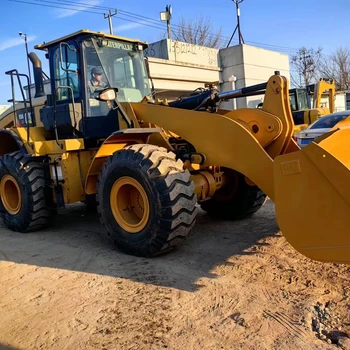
{"points": [[312, 197]]}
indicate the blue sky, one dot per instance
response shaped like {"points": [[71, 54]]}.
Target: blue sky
{"points": [[281, 25]]}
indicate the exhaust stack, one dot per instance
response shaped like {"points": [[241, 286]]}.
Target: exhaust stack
{"points": [[38, 75]]}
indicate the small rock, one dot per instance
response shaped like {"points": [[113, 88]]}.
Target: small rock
{"points": [[323, 337], [329, 341]]}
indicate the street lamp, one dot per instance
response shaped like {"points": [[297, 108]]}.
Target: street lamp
{"points": [[26, 44]]}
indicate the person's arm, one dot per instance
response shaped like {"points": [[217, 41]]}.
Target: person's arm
{"points": [[91, 87]]}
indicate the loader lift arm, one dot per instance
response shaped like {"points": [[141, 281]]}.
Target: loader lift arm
{"points": [[321, 86], [310, 187]]}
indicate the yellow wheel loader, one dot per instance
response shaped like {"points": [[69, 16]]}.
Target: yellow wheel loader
{"points": [[303, 116], [101, 136]]}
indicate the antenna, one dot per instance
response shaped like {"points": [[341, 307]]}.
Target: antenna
{"points": [[238, 26]]}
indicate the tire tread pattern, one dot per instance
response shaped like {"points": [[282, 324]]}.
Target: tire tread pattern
{"points": [[30, 175], [176, 198]]}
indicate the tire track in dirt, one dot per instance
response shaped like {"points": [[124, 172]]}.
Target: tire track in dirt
{"points": [[292, 328], [231, 286]]}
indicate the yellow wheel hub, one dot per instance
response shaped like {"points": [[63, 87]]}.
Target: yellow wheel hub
{"points": [[10, 194], [129, 204]]}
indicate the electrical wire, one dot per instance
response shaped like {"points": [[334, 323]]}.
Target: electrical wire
{"points": [[131, 14], [148, 19], [142, 20]]}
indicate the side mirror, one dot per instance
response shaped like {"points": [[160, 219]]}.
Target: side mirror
{"points": [[108, 94]]}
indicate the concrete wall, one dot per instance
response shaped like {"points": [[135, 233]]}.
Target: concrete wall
{"points": [[47, 88], [172, 79], [184, 52], [249, 65], [178, 68], [184, 67], [339, 101]]}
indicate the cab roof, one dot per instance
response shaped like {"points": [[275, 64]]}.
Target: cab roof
{"points": [[45, 46]]}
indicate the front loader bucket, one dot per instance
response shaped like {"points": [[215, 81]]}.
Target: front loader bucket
{"points": [[312, 197]]}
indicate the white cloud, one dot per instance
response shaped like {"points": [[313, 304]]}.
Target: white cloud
{"points": [[85, 5], [123, 27], [11, 42]]}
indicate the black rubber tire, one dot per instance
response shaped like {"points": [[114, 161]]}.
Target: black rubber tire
{"points": [[245, 201], [34, 214], [90, 204], [170, 193]]}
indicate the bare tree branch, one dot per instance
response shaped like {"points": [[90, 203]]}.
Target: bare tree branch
{"points": [[306, 62], [199, 32], [337, 67], [294, 82]]}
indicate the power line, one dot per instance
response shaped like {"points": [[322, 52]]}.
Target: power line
{"points": [[139, 19], [156, 25], [151, 20], [59, 7], [126, 13]]}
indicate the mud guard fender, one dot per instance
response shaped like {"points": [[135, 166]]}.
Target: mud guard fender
{"points": [[10, 142], [113, 143]]}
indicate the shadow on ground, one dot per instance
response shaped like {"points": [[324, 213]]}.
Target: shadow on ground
{"points": [[7, 347], [78, 242]]}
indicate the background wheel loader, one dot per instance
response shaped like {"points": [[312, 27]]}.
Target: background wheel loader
{"points": [[304, 113], [148, 162]]}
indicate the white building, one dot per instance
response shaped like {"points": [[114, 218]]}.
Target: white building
{"points": [[177, 68], [3, 108]]}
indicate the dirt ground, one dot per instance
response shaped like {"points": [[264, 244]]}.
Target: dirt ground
{"points": [[230, 286]]}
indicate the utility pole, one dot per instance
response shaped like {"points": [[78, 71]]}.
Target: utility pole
{"points": [[26, 45], [307, 63], [238, 26], [109, 16], [166, 16]]}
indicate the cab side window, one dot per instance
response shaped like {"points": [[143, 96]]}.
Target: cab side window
{"points": [[65, 72]]}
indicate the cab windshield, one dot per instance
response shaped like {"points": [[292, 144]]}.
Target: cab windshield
{"points": [[298, 100], [302, 100], [119, 65]]}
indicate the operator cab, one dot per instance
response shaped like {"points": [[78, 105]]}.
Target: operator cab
{"points": [[81, 66], [298, 99]]}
